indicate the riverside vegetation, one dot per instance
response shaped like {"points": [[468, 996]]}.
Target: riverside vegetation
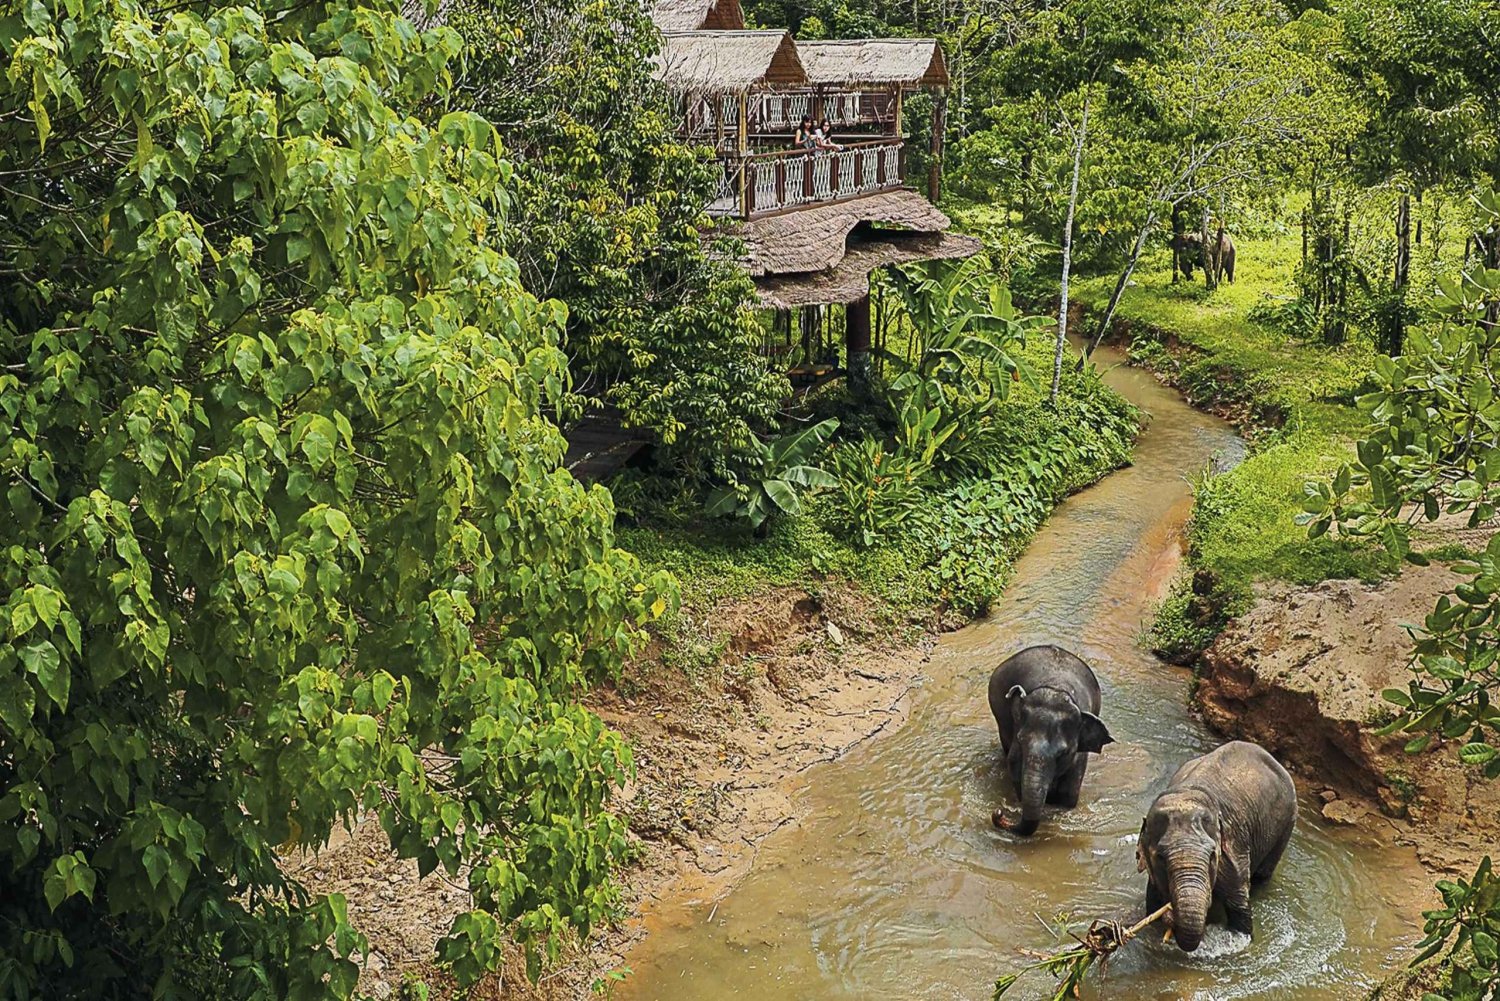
{"points": [[297, 297]]}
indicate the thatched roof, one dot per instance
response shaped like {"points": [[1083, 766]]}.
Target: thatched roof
{"points": [[728, 61], [812, 239], [698, 15], [911, 62], [849, 280]]}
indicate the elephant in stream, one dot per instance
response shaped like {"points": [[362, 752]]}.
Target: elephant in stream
{"points": [[1046, 703], [1220, 826], [1187, 253]]}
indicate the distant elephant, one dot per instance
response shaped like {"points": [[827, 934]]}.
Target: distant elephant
{"points": [[1046, 704], [1222, 824], [1187, 253]]}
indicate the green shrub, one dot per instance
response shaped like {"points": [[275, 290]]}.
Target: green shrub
{"points": [[879, 489]]}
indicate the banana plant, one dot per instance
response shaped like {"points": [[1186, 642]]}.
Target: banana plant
{"points": [[777, 471], [965, 325]]}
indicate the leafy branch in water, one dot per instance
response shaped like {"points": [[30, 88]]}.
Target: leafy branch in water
{"points": [[1102, 940]]}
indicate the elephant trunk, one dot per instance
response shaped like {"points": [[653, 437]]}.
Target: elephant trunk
{"points": [[1036, 782], [1191, 894]]}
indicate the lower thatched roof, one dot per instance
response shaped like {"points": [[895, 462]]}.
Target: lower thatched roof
{"points": [[812, 239], [849, 280]]}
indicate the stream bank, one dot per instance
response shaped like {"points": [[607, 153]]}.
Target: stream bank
{"points": [[1301, 673], [1298, 664], [890, 871]]}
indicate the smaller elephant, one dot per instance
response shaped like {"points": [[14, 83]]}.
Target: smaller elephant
{"points": [[1046, 704], [1220, 826], [1187, 253]]}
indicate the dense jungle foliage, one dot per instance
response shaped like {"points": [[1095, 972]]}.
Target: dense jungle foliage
{"points": [[297, 303]]}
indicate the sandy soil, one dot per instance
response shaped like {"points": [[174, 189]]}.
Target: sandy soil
{"points": [[751, 694]]}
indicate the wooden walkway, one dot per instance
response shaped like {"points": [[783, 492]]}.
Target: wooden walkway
{"points": [[599, 444]]}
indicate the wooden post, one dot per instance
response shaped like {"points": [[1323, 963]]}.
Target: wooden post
{"points": [[896, 119], [744, 137], [857, 342], [935, 156]]}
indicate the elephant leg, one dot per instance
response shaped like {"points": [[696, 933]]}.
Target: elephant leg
{"points": [[1233, 886], [1269, 863], [1066, 789], [1237, 907]]}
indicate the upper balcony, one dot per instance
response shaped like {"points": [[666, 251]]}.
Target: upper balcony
{"points": [[743, 93]]}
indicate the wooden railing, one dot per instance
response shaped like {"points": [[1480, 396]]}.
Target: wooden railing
{"points": [[764, 183], [780, 111]]}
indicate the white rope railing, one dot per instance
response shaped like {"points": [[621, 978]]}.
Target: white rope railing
{"points": [[772, 182]]}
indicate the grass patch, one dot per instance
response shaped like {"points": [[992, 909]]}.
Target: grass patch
{"points": [[1293, 399]]}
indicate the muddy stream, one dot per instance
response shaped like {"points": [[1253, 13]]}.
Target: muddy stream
{"points": [[893, 883]]}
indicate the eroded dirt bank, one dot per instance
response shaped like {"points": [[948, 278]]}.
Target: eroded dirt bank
{"points": [[1302, 672], [745, 697]]}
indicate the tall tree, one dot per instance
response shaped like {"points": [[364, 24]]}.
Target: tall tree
{"points": [[274, 453], [1075, 54], [607, 217]]}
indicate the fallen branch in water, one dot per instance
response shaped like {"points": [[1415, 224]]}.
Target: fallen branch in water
{"points": [[1069, 966]]}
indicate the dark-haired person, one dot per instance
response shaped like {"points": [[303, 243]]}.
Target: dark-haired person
{"points": [[804, 138], [823, 136]]}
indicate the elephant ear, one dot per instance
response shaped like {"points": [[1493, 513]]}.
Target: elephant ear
{"points": [[1140, 849], [1093, 734], [1014, 698]]}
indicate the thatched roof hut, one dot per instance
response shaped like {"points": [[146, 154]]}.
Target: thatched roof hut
{"points": [[864, 62], [698, 15], [814, 238], [849, 280], [728, 61]]}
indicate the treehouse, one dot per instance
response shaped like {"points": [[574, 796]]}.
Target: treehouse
{"points": [[815, 223]]}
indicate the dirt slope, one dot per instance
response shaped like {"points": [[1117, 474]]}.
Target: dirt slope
{"points": [[1302, 672]]}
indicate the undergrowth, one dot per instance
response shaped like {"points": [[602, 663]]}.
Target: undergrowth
{"points": [[955, 549]]}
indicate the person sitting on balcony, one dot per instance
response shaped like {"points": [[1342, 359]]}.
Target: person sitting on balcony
{"points": [[804, 138], [823, 136]]}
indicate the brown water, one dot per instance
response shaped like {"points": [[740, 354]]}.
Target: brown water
{"points": [[894, 884]]}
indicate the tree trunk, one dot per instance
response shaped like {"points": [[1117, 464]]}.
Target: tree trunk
{"points": [[1177, 234], [1489, 251], [1067, 249], [1208, 272], [1396, 320], [1135, 256]]}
